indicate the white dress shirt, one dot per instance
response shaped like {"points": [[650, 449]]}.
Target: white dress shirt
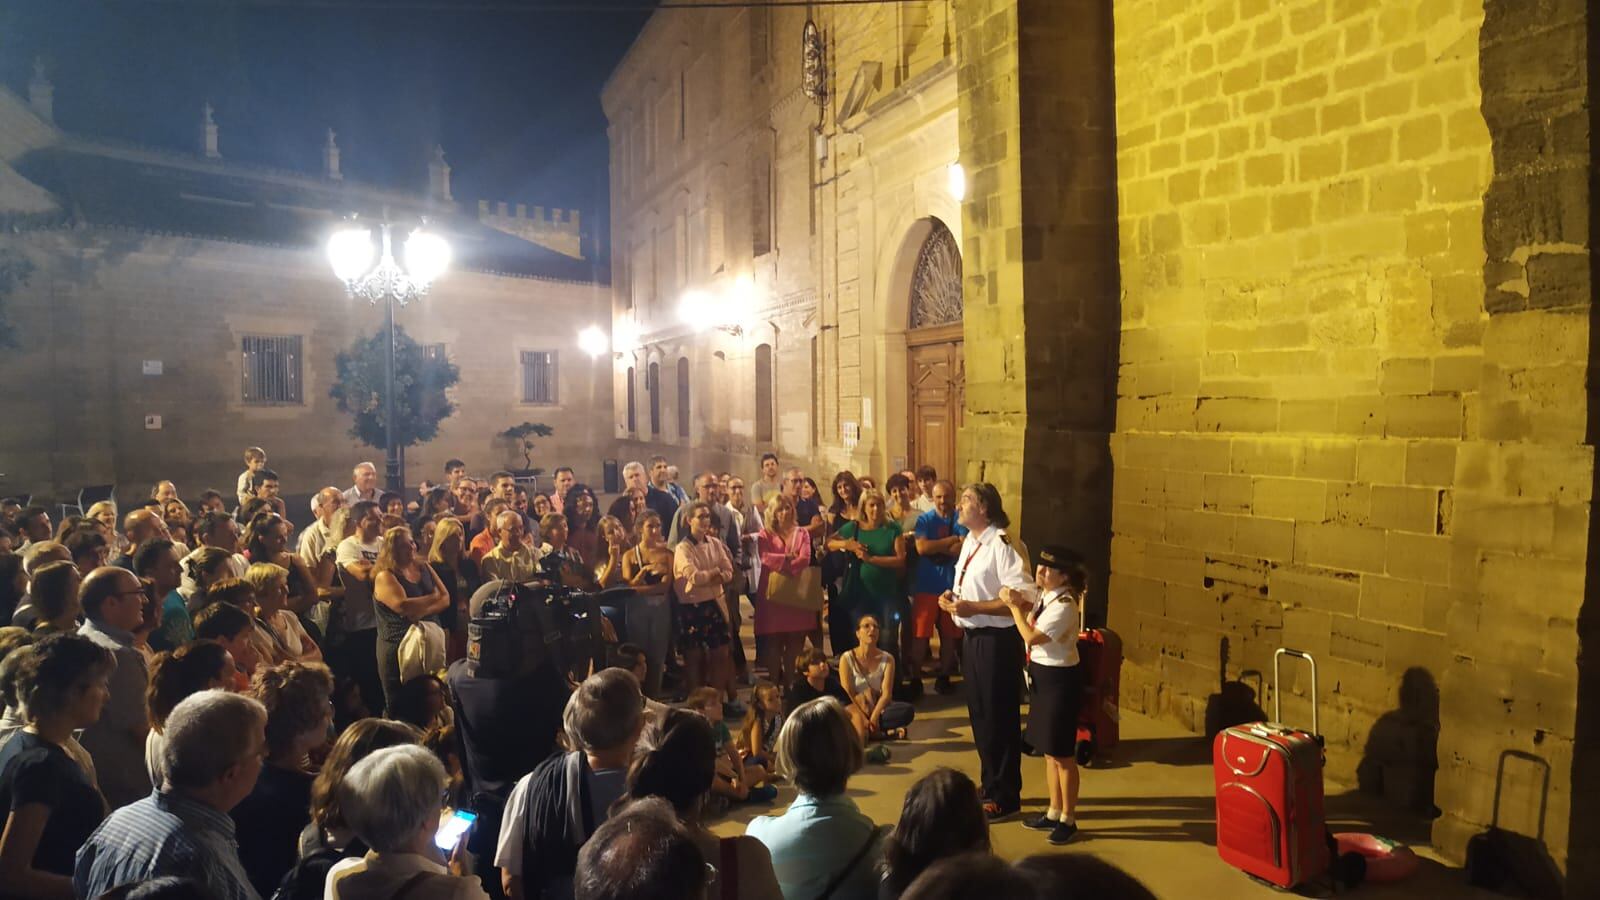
{"points": [[986, 564]]}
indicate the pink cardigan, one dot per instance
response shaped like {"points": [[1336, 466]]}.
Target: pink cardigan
{"points": [[694, 559]]}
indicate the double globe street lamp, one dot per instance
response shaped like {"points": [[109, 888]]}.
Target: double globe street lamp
{"points": [[370, 271]]}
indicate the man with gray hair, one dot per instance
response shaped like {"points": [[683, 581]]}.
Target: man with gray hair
{"points": [[215, 742], [366, 484], [554, 809], [633, 479]]}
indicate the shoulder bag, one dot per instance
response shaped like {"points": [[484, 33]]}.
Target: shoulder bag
{"points": [[838, 879]]}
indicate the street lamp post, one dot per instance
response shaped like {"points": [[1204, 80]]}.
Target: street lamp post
{"points": [[351, 253]]}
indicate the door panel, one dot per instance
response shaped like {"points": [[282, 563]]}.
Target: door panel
{"points": [[936, 397]]}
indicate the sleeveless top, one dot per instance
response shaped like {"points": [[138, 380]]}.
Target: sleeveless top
{"points": [[639, 560], [869, 681], [391, 625]]}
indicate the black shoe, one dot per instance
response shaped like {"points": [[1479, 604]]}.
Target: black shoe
{"points": [[1062, 833], [942, 685], [994, 812], [1041, 822]]}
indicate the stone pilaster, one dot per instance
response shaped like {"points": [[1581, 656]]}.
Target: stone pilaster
{"points": [[1042, 281]]}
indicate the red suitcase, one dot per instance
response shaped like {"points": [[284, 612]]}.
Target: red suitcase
{"points": [[1099, 729], [1270, 818]]}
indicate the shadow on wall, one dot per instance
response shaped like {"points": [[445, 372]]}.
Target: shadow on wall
{"points": [[1505, 860], [1402, 753], [1236, 702]]}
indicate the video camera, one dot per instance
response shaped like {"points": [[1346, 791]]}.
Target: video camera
{"points": [[517, 627]]}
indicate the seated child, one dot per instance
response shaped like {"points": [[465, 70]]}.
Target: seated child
{"points": [[737, 779], [758, 735]]}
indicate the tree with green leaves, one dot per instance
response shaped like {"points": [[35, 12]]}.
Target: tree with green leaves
{"points": [[422, 381], [521, 437]]}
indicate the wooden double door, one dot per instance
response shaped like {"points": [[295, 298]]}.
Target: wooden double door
{"points": [[937, 395]]}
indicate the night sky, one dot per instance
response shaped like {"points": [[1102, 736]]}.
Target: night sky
{"points": [[514, 97]]}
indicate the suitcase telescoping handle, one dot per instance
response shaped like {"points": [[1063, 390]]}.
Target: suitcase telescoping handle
{"points": [[1277, 686]]}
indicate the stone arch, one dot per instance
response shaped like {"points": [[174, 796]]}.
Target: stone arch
{"points": [[896, 316]]}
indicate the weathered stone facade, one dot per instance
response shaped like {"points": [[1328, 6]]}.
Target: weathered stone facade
{"points": [[725, 173], [1278, 310], [1352, 402], [119, 322]]}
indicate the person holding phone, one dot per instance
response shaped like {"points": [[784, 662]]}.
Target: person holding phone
{"points": [[391, 800]]}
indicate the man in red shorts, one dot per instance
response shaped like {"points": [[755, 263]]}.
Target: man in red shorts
{"points": [[939, 538]]}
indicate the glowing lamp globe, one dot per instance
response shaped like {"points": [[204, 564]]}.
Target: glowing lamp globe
{"points": [[957, 184], [351, 253], [696, 309], [427, 256], [593, 341]]}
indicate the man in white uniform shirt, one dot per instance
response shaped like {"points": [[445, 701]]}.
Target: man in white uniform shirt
{"points": [[993, 658]]}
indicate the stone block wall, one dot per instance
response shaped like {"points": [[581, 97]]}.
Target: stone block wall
{"points": [[1352, 406], [101, 303], [1039, 230]]}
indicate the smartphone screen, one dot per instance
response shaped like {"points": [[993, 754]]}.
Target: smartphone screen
{"points": [[449, 834]]}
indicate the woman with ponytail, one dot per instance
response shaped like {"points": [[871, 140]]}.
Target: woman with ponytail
{"points": [[678, 765], [196, 666]]}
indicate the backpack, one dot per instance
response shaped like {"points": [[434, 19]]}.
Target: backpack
{"points": [[309, 877]]}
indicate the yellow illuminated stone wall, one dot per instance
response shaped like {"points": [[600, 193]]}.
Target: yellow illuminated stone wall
{"points": [[1351, 407]]}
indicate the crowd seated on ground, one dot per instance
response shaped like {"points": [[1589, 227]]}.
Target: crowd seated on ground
{"points": [[225, 675]]}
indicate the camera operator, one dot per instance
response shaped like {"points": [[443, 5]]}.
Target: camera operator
{"points": [[508, 721]]}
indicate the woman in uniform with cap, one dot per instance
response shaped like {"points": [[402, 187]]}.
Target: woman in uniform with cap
{"points": [[1050, 629]]}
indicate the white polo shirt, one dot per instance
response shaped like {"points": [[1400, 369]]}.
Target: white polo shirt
{"points": [[988, 563], [1056, 615]]}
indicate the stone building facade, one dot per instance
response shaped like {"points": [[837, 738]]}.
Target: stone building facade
{"points": [[1279, 310], [806, 211], [163, 284]]}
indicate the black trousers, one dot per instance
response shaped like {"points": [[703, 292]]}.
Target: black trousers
{"points": [[992, 667]]}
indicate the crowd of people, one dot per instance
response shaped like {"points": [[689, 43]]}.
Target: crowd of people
{"points": [[201, 702]]}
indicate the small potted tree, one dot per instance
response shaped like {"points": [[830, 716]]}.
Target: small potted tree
{"points": [[522, 439]]}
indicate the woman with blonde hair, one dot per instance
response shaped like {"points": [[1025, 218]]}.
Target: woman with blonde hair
{"points": [[405, 591], [459, 574], [873, 582], [271, 585], [105, 512], [785, 549], [822, 845]]}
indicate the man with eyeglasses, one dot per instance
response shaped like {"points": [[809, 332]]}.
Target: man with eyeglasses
{"points": [[115, 604]]}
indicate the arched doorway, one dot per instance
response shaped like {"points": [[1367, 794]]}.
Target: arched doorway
{"points": [[935, 364]]}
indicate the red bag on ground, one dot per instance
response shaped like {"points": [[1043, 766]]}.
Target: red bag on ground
{"points": [[1270, 818], [1099, 728]]}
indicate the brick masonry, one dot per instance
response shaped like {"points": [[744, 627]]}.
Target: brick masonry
{"points": [[1041, 287], [1352, 403]]}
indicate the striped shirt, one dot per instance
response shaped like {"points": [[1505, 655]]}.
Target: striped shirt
{"points": [[166, 833]]}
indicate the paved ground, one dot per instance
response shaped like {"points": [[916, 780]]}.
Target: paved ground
{"points": [[1149, 811]]}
